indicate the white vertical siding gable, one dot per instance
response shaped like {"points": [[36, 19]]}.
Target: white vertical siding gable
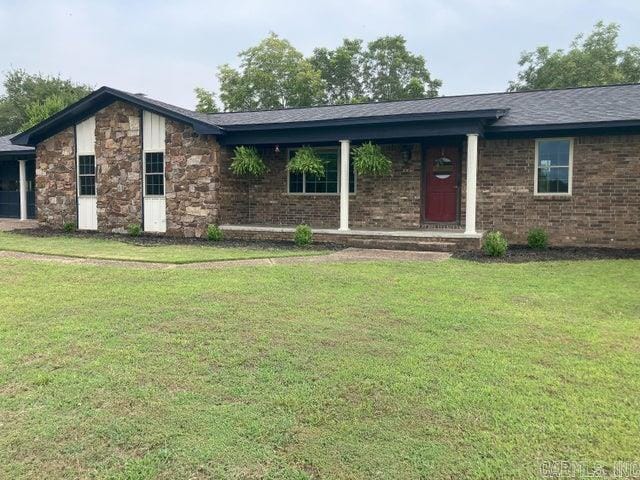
{"points": [[153, 132], [86, 136]]}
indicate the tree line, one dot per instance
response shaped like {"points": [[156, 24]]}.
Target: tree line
{"points": [[274, 74]]}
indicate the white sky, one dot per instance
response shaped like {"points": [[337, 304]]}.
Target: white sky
{"points": [[166, 48]]}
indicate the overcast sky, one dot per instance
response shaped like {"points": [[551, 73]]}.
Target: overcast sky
{"points": [[165, 49]]}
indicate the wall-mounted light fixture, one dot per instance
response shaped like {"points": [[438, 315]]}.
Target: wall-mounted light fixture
{"points": [[276, 148], [406, 153]]}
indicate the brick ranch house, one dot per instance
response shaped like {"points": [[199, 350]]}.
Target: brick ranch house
{"points": [[565, 160]]}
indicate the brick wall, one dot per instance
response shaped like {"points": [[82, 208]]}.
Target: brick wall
{"points": [[379, 202], [604, 208], [118, 167], [56, 179], [192, 180]]}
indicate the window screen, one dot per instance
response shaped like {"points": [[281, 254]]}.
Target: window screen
{"points": [[154, 173], [304, 183], [87, 174], [553, 166]]}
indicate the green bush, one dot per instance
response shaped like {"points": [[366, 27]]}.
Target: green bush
{"points": [[495, 245], [306, 160], [538, 239], [368, 159], [134, 230], [214, 233], [303, 235], [246, 161], [69, 227]]}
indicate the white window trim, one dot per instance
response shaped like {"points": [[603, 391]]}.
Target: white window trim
{"points": [[144, 173], [95, 173], [304, 175], [535, 174]]}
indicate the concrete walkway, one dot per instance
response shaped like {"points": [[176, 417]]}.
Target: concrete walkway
{"points": [[347, 255], [8, 224]]}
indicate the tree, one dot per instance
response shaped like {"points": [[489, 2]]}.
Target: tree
{"points": [[206, 101], [39, 111], [342, 71], [272, 74], [594, 60], [29, 98], [391, 72]]}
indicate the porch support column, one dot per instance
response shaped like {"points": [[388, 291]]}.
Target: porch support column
{"points": [[345, 146], [23, 189], [472, 173]]}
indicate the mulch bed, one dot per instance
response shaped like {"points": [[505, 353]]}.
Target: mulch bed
{"points": [[151, 240], [521, 254], [515, 253]]}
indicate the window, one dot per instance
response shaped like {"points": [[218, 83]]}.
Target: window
{"points": [[553, 166], [87, 174], [442, 168], [330, 183], [154, 173]]}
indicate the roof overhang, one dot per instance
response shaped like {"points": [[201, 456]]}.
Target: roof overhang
{"points": [[95, 101], [582, 128], [17, 155], [363, 128]]}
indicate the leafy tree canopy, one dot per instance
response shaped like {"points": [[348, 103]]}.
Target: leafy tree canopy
{"points": [[274, 74], [391, 72], [592, 60], [29, 99], [342, 72], [206, 101]]}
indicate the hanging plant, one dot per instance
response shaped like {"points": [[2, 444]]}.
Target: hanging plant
{"points": [[368, 159], [306, 160], [247, 162]]}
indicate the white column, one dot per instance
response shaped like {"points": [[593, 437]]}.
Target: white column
{"points": [[23, 189], [345, 146], [472, 173]]}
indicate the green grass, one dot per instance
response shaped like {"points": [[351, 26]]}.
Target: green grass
{"points": [[106, 249], [342, 371]]}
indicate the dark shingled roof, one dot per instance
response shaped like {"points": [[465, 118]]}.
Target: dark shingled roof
{"points": [[7, 147], [540, 110], [542, 107]]}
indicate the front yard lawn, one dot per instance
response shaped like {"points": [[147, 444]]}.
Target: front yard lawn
{"points": [[109, 249], [384, 370]]}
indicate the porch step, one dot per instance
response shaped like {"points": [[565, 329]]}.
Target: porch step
{"points": [[404, 244], [381, 240]]}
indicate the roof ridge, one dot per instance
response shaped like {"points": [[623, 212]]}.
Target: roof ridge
{"points": [[519, 92]]}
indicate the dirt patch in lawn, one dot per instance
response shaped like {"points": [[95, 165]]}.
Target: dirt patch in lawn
{"points": [[521, 254]]}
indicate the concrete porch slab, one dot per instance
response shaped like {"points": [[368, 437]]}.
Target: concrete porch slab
{"points": [[422, 233], [8, 224]]}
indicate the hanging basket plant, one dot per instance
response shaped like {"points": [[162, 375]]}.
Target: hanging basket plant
{"points": [[368, 159], [246, 161], [306, 160]]}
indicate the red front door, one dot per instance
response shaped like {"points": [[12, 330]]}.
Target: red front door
{"points": [[441, 184]]}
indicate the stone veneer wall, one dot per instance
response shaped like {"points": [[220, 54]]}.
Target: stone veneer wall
{"points": [[604, 208], [379, 202], [192, 175], [118, 167], [56, 179]]}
